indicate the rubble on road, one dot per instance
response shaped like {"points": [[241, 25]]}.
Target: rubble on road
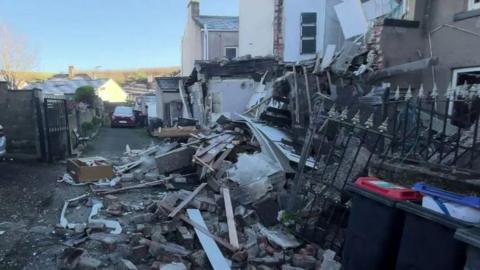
{"points": [[192, 204]]}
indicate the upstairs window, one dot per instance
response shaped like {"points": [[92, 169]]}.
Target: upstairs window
{"points": [[404, 10], [473, 4], [230, 52], [309, 33]]}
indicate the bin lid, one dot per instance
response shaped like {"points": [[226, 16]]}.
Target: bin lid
{"points": [[370, 195], [469, 236], [471, 201], [426, 213], [388, 189]]}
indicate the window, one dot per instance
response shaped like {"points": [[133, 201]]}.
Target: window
{"points": [[230, 52], [404, 10], [465, 82], [309, 33], [473, 4]]}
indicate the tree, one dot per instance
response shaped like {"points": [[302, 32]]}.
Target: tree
{"points": [[85, 94], [15, 56]]}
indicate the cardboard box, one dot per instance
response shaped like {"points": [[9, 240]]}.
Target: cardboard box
{"points": [[85, 170]]}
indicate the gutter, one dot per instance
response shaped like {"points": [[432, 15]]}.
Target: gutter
{"points": [[205, 42]]}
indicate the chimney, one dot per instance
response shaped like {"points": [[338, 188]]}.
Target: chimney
{"points": [[71, 72], [194, 8]]}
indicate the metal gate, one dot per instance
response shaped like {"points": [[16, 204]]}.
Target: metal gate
{"points": [[57, 129]]}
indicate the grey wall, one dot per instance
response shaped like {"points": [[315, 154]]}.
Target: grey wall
{"points": [[18, 116], [453, 48], [163, 98], [217, 41]]}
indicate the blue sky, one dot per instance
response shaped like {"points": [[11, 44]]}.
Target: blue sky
{"points": [[114, 34]]}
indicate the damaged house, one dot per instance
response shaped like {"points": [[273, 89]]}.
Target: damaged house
{"points": [[429, 43], [169, 101], [290, 30], [374, 98], [284, 140]]}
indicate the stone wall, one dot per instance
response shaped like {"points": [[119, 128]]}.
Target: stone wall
{"points": [[20, 120]]}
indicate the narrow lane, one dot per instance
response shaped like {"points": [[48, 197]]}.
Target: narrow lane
{"points": [[111, 142]]}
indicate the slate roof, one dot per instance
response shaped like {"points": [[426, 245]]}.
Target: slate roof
{"points": [[225, 23], [168, 83], [65, 86]]}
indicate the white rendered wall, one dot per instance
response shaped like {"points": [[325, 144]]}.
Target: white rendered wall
{"points": [[292, 27], [256, 27]]}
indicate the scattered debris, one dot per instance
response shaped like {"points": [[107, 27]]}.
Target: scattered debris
{"points": [[214, 254]]}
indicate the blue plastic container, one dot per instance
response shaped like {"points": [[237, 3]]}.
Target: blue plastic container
{"points": [[465, 208], [449, 196]]}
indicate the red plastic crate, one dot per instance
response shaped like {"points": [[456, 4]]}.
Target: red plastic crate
{"points": [[387, 189]]}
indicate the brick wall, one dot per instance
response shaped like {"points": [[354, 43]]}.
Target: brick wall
{"points": [[278, 41]]}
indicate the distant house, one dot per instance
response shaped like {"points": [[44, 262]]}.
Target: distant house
{"points": [[207, 38], [106, 89], [136, 89]]}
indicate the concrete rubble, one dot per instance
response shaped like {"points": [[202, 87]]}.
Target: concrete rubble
{"points": [[194, 204]]}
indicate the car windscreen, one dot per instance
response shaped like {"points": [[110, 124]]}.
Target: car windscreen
{"points": [[127, 111]]}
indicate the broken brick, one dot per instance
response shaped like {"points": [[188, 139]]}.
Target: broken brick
{"points": [[88, 263], [140, 251], [304, 261], [142, 218], [185, 237], [156, 248]]}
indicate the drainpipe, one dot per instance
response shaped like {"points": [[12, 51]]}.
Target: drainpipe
{"points": [[205, 42]]}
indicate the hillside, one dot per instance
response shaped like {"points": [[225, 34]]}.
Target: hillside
{"points": [[121, 76], [118, 75], [30, 76]]}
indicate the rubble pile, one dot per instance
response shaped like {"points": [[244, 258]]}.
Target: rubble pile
{"points": [[216, 200]]}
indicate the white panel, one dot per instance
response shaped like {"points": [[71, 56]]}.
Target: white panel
{"points": [[376, 8], [292, 27], [214, 254], [256, 27], [352, 19]]}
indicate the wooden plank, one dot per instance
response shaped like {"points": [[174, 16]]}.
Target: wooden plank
{"points": [[187, 200], [210, 155], [214, 143], [232, 229], [307, 88], [145, 185], [214, 254], [197, 159], [222, 157], [185, 219], [297, 98], [176, 132]]}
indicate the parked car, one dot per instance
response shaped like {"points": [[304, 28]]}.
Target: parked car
{"points": [[123, 117], [3, 142]]}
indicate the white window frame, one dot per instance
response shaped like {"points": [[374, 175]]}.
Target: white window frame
{"points": [[405, 11], [472, 5], [456, 72], [302, 38], [230, 47]]}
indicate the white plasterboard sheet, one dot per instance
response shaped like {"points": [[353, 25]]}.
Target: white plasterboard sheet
{"points": [[277, 137], [376, 8], [214, 254], [351, 17], [328, 56]]}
